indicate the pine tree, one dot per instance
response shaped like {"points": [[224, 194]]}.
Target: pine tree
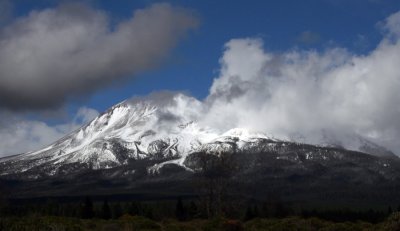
{"points": [[149, 213], [105, 210], [249, 214], [280, 210], [135, 208], [390, 211], [256, 213], [180, 211], [265, 210], [193, 210], [116, 211], [87, 209]]}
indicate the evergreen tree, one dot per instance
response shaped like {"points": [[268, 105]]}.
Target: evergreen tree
{"points": [[193, 210], [135, 208], [280, 210], [256, 213], [2, 195], [105, 210], [116, 211], [51, 208], [180, 211], [87, 209], [265, 210], [249, 214], [149, 213], [390, 211]]}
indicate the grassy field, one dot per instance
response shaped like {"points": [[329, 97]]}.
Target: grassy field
{"points": [[133, 223]]}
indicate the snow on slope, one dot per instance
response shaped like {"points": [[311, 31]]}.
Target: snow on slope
{"points": [[142, 129], [152, 128], [134, 126]]}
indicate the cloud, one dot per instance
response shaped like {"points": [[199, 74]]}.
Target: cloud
{"points": [[173, 109], [52, 55], [18, 134], [392, 26], [308, 37], [315, 96], [361, 43], [84, 115], [302, 95]]}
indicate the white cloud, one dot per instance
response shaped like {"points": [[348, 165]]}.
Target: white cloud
{"points": [[85, 115], [310, 94], [18, 135], [392, 25]]}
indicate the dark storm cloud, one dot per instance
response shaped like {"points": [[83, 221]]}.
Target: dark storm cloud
{"points": [[53, 54]]}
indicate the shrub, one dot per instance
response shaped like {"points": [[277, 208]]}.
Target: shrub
{"points": [[138, 223], [392, 223]]}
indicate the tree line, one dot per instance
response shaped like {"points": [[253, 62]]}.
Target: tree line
{"points": [[183, 209]]}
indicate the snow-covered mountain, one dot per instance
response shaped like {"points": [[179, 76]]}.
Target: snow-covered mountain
{"points": [[160, 145], [131, 131], [154, 129]]}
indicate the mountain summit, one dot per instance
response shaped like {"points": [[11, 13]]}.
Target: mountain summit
{"points": [[152, 128], [128, 131], [138, 139]]}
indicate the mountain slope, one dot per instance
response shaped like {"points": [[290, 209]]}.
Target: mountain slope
{"points": [[123, 132], [153, 146], [154, 129]]}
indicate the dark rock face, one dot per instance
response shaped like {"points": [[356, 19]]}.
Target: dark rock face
{"points": [[157, 148]]}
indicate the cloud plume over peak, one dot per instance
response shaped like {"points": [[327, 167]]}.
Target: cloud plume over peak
{"points": [[313, 96], [53, 54]]}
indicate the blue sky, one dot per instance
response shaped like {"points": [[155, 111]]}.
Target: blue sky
{"points": [[193, 65], [194, 60]]}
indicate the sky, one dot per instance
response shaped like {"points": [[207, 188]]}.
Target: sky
{"points": [[295, 69]]}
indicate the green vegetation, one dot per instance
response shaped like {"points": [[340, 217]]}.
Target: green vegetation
{"points": [[128, 222], [182, 215]]}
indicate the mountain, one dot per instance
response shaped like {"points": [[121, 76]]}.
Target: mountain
{"points": [[148, 145], [128, 132]]}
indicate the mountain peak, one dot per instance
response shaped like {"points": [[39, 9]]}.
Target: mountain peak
{"points": [[142, 129]]}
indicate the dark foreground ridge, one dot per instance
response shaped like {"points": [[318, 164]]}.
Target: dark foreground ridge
{"points": [[296, 173]]}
